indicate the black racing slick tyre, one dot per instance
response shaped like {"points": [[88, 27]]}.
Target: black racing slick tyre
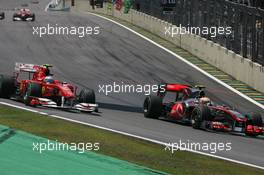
{"points": [[200, 113], [33, 90], [33, 17], [7, 86], [2, 15], [14, 17], [87, 96], [152, 107]]}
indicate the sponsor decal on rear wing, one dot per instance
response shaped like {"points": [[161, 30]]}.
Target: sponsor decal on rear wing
{"points": [[23, 67]]}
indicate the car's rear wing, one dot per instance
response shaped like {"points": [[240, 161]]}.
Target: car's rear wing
{"points": [[23, 67]]}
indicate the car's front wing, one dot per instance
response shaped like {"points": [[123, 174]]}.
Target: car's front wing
{"points": [[18, 18], [82, 107]]}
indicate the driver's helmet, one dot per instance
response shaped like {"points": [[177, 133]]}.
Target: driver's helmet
{"points": [[49, 79], [205, 100]]}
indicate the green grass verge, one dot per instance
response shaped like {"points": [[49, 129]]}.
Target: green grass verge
{"points": [[123, 147]]}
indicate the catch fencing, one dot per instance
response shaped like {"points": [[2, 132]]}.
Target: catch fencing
{"points": [[247, 38]]}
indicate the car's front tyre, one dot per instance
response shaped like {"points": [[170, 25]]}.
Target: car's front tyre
{"points": [[200, 114], [87, 96]]}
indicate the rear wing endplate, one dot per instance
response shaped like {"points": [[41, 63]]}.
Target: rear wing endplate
{"points": [[23, 67]]}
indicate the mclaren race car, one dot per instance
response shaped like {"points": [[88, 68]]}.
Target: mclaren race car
{"points": [[41, 89], [2, 15], [24, 15], [183, 103]]}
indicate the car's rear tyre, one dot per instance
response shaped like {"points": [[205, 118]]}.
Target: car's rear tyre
{"points": [[152, 107], [33, 90], [200, 113], [7, 86], [87, 96]]}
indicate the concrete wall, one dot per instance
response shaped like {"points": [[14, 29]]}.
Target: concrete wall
{"points": [[235, 65]]}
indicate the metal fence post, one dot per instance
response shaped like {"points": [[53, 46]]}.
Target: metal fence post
{"points": [[244, 35], [262, 50], [253, 38]]}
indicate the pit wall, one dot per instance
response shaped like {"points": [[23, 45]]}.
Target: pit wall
{"points": [[226, 60]]}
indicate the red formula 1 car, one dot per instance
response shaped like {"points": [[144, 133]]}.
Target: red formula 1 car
{"points": [[40, 89], [24, 15], [188, 104], [2, 15]]}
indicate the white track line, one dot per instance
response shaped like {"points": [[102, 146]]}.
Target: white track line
{"points": [[132, 135], [184, 60]]}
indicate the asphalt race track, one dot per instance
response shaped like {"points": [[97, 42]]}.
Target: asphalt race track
{"points": [[116, 55]]}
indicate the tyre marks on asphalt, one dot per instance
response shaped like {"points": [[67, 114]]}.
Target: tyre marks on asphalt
{"points": [[238, 85]]}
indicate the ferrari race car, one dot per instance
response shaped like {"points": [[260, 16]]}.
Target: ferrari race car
{"points": [[188, 104], [40, 89], [24, 15], [2, 15]]}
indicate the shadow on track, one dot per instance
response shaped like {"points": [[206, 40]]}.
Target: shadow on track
{"points": [[120, 107]]}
